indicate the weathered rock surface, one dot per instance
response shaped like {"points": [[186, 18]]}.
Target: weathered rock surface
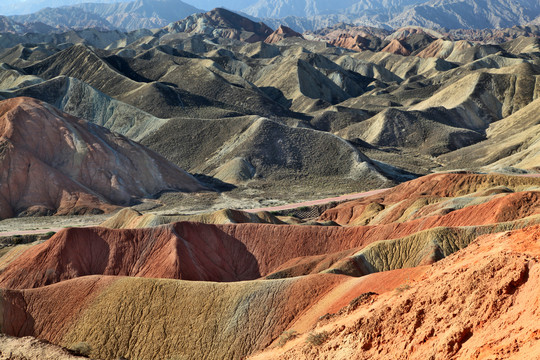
{"points": [[29, 348], [335, 279], [481, 302], [57, 164], [281, 33]]}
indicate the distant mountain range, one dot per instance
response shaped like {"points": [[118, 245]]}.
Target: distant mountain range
{"points": [[299, 15], [62, 19], [8, 25], [141, 13], [125, 15], [17, 7], [309, 8], [302, 15]]}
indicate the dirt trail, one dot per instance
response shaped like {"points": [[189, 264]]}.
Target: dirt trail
{"points": [[319, 202], [29, 232]]}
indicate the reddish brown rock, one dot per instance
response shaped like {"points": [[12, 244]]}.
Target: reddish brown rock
{"points": [[396, 47], [185, 250], [480, 303], [235, 252], [53, 163], [281, 33], [436, 189], [357, 43]]}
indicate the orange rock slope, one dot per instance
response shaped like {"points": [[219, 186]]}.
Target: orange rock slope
{"points": [[396, 47], [53, 163], [281, 33], [357, 43], [480, 303], [372, 290]]}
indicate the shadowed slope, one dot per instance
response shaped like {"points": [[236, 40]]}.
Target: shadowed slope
{"points": [[180, 252], [513, 141]]}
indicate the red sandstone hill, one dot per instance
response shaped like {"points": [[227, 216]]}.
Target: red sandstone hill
{"points": [[185, 250], [396, 47], [405, 279], [347, 41], [480, 303], [281, 33], [53, 163], [423, 229]]}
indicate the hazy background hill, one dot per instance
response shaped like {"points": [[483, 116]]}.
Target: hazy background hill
{"points": [[300, 15], [17, 7], [129, 16], [303, 8]]}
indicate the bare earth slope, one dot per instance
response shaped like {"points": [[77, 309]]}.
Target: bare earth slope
{"points": [[56, 163], [296, 119], [251, 282], [480, 303]]}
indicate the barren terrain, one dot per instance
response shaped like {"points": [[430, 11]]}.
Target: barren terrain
{"points": [[217, 189]]}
